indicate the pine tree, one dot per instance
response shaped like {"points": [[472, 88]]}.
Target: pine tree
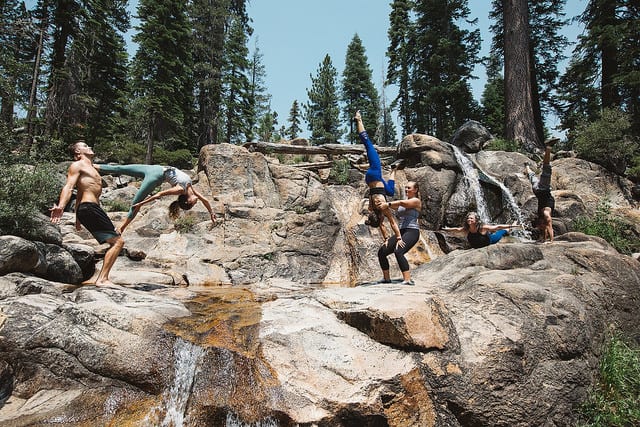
{"points": [[259, 99], [236, 85], [321, 112], [162, 74], [608, 54], [401, 56], [520, 123], [386, 131], [267, 126], [211, 22], [493, 98], [60, 86], [441, 98], [98, 60], [294, 128], [358, 90], [41, 15], [18, 37], [545, 53]]}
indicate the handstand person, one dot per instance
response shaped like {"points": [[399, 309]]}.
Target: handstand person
{"points": [[83, 176], [153, 176], [378, 187], [542, 190], [408, 212], [478, 234]]}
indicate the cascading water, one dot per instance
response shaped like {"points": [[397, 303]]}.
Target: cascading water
{"points": [[473, 182], [515, 210], [472, 177], [174, 402]]}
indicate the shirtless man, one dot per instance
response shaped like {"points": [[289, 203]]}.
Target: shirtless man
{"points": [[83, 176]]}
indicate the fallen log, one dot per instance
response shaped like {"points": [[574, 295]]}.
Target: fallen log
{"points": [[327, 149]]}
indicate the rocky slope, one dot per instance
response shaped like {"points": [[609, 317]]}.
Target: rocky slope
{"points": [[259, 319]]}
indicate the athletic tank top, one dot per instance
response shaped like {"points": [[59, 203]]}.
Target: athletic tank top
{"points": [[478, 240], [176, 177], [408, 218]]}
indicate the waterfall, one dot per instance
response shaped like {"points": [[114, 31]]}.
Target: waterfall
{"points": [[473, 181], [174, 401], [515, 210], [471, 175]]}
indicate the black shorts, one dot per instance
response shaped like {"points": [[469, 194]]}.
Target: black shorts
{"points": [[545, 200], [96, 221]]}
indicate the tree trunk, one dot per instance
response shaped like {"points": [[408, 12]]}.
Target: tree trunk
{"points": [[608, 48], [31, 110], [520, 123]]}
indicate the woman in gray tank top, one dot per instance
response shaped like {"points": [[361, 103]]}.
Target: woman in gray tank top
{"points": [[407, 212], [152, 177]]}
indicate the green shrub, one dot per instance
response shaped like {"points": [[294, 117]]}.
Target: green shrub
{"points": [[608, 226], [614, 399], [180, 158], [634, 169], [499, 144], [339, 173], [606, 141], [185, 224], [115, 206], [24, 192]]}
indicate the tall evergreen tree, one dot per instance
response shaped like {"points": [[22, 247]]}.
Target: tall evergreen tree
{"points": [[546, 48], [520, 123], [445, 57], [401, 56], [41, 15], [608, 54], [493, 98], [386, 131], [294, 128], [60, 87], [321, 111], [267, 126], [236, 85], [98, 62], [162, 74], [258, 98], [18, 38], [211, 22], [358, 91]]}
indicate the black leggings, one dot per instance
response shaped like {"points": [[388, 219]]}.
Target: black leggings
{"points": [[410, 237]]}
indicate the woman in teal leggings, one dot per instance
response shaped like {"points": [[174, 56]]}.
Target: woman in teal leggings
{"points": [[152, 177]]}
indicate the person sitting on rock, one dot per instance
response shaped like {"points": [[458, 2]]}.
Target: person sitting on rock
{"points": [[378, 187], [153, 176], [479, 234], [542, 189]]}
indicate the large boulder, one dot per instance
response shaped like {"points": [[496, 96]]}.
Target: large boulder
{"points": [[471, 137], [473, 343]]}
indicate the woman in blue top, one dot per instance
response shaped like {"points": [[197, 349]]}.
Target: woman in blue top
{"points": [[378, 187], [152, 177], [408, 212]]}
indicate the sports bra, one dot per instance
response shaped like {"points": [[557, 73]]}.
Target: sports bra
{"points": [[176, 177]]}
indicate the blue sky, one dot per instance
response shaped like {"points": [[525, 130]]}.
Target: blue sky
{"points": [[295, 35]]}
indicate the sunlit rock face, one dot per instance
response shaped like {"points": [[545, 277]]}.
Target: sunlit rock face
{"points": [[272, 317]]}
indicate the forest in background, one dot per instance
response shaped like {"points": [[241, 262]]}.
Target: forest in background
{"points": [[65, 75]]}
